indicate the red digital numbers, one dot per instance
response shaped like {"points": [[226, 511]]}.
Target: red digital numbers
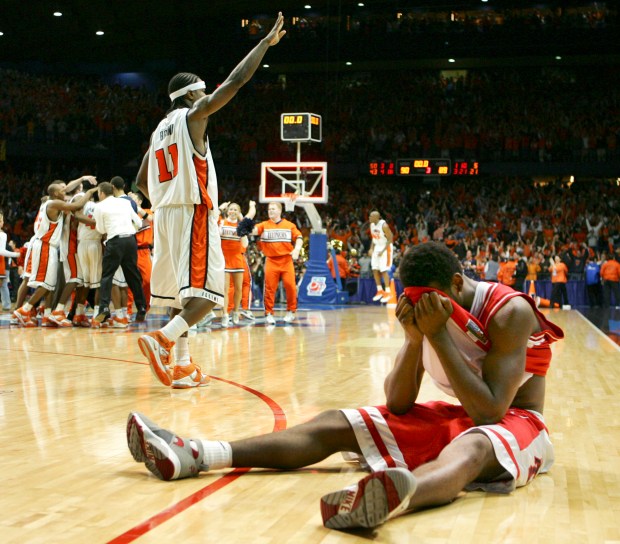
{"points": [[381, 168], [465, 168]]}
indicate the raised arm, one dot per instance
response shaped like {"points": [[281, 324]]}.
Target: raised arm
{"points": [[72, 185], [242, 73], [77, 204], [251, 209]]}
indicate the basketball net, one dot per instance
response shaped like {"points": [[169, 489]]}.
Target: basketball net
{"points": [[289, 203]]}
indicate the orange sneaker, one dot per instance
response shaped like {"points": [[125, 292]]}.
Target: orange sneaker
{"points": [[23, 316], [184, 377], [380, 294], [120, 322], [158, 350], [81, 321], [60, 318], [48, 323]]}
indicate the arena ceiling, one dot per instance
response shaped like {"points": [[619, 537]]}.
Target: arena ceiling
{"points": [[140, 31]]}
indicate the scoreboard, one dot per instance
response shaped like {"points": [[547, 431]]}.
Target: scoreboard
{"points": [[424, 167]]}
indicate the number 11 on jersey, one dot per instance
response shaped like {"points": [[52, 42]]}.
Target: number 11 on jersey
{"points": [[164, 173]]}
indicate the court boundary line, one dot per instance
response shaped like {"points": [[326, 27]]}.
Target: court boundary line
{"points": [[599, 331]]}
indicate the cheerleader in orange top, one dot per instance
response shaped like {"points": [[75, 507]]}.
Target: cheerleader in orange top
{"points": [[233, 247], [280, 241]]}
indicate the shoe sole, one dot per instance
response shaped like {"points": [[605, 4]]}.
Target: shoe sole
{"points": [[59, 323], [157, 366], [383, 495], [183, 385], [148, 448], [20, 318]]}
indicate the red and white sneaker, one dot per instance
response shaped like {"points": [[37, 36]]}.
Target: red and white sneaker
{"points": [[184, 377], [60, 319], [372, 501], [158, 350], [380, 294], [165, 454]]}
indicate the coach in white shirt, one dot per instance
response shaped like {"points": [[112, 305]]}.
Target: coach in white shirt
{"points": [[116, 219]]}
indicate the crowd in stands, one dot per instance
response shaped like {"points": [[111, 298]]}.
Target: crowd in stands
{"points": [[541, 114], [482, 220]]}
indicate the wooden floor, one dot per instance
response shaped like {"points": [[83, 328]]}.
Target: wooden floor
{"points": [[66, 474]]}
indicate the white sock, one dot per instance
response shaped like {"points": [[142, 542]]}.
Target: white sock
{"points": [[80, 310], [60, 307], [217, 454], [181, 351], [96, 310], [175, 328], [47, 312], [118, 313], [27, 307], [124, 310], [379, 288], [387, 289]]}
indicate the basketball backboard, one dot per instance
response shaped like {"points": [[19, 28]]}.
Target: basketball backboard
{"points": [[293, 183]]}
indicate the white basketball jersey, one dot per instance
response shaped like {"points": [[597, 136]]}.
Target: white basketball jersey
{"points": [[378, 236], [67, 233], [177, 173], [86, 232], [46, 230]]}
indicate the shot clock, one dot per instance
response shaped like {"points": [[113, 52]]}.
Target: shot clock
{"points": [[300, 127]]}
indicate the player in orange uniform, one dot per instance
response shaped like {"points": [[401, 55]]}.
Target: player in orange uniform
{"points": [[233, 247], [280, 242]]}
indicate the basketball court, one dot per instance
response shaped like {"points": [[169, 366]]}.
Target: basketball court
{"points": [[67, 475]]}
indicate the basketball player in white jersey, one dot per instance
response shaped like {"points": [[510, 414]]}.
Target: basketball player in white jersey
{"points": [[382, 254], [44, 249], [178, 176], [70, 261], [90, 254]]}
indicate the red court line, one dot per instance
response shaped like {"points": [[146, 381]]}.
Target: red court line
{"points": [[163, 516], [76, 355], [279, 424]]}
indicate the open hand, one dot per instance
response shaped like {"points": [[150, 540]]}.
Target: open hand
{"points": [[276, 32]]}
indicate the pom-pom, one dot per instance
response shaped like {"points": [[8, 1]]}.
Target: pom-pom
{"points": [[245, 226]]}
